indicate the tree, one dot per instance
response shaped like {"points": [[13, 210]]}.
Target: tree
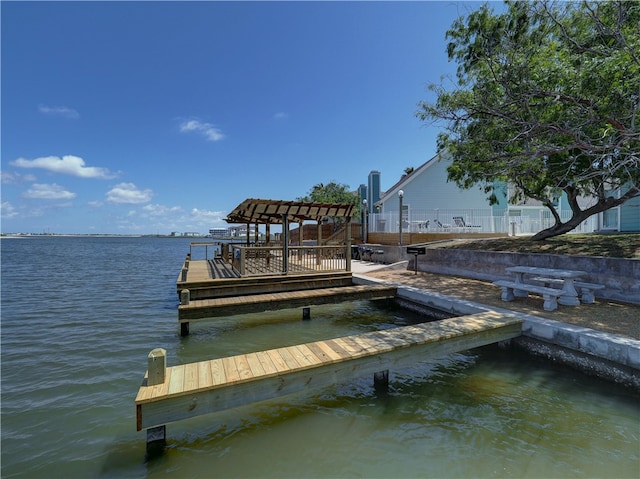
{"points": [[333, 193], [547, 99]]}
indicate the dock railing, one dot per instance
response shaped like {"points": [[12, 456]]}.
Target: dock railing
{"points": [[266, 260]]}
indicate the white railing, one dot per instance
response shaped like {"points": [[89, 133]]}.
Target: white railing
{"points": [[266, 260], [471, 221], [521, 225], [434, 220]]}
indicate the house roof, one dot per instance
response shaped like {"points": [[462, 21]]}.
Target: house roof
{"points": [[262, 211], [406, 179]]}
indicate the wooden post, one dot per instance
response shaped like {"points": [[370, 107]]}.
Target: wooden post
{"points": [[347, 245], [157, 367], [185, 271], [184, 329], [319, 243], [156, 441], [285, 244], [381, 382], [156, 374], [185, 296]]}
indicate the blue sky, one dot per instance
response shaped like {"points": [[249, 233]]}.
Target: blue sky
{"points": [[152, 117]]}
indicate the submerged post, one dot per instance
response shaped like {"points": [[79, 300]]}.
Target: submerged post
{"points": [[156, 374], [381, 382]]}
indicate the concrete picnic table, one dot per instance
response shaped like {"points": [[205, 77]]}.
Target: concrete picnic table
{"points": [[569, 295]]}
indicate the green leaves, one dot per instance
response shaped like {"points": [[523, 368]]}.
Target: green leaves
{"points": [[547, 97]]}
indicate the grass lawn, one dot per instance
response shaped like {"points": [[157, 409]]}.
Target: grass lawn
{"points": [[608, 245]]}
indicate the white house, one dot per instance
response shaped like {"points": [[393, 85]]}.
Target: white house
{"points": [[431, 203]]}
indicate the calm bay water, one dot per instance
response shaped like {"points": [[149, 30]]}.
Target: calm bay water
{"points": [[80, 315]]}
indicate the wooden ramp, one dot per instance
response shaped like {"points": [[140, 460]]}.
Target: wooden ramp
{"points": [[189, 390], [258, 303]]}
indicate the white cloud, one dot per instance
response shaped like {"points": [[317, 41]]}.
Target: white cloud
{"points": [[9, 178], [7, 210], [281, 116], [206, 215], [67, 165], [160, 210], [63, 111], [42, 191], [209, 131], [128, 193]]}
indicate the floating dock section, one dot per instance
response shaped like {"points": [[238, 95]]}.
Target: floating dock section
{"points": [[170, 394]]}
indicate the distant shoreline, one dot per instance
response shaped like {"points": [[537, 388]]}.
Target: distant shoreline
{"points": [[225, 239], [95, 235]]}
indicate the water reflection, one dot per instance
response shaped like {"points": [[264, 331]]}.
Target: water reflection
{"points": [[489, 413]]}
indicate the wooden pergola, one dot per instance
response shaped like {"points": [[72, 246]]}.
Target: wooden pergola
{"points": [[267, 212]]}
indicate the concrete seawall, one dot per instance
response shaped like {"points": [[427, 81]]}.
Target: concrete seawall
{"points": [[608, 356], [620, 276]]}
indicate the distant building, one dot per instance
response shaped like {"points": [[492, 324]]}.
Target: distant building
{"points": [[373, 190], [219, 232], [191, 234], [241, 231]]}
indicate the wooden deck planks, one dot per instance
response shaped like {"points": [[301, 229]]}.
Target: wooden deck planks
{"points": [[230, 381], [176, 381], [229, 306], [218, 376]]}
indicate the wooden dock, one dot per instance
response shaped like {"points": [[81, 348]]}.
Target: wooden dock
{"points": [[170, 394], [258, 303], [212, 290], [212, 282]]}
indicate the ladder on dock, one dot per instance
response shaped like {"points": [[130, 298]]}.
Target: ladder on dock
{"points": [[170, 394]]}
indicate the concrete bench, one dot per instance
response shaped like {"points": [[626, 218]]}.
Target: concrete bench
{"points": [[550, 295], [586, 289]]}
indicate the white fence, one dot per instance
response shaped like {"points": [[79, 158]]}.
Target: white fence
{"points": [[513, 222]]}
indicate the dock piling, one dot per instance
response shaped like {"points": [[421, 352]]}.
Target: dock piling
{"points": [[185, 296], [381, 382], [157, 367], [156, 374]]}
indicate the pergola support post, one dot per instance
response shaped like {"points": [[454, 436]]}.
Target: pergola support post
{"points": [[347, 244], [319, 242], [285, 244]]}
